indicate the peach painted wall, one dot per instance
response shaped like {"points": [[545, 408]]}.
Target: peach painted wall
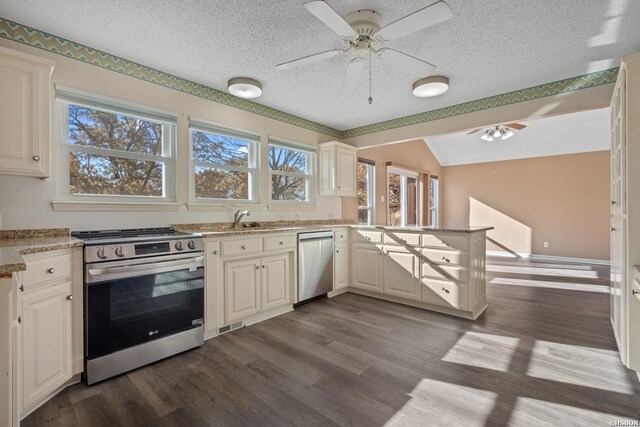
{"points": [[563, 200], [411, 153]]}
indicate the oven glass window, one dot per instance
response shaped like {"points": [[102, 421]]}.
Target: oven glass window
{"points": [[126, 312]]}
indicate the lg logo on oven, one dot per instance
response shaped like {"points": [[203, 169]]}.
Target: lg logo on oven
{"points": [[152, 333]]}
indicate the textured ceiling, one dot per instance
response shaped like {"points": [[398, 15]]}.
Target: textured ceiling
{"points": [[489, 47], [579, 132]]}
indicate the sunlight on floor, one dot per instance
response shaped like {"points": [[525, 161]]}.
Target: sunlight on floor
{"points": [[532, 412], [559, 272], [577, 365], [456, 404], [483, 351], [573, 286]]}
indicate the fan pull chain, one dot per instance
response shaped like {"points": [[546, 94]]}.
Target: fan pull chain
{"points": [[370, 98]]}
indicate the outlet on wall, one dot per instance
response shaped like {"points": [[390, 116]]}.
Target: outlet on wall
{"points": [[546, 244]]}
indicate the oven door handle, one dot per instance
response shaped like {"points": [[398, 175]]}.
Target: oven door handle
{"points": [[110, 273]]}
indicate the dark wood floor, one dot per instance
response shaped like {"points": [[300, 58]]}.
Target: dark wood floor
{"points": [[542, 354]]}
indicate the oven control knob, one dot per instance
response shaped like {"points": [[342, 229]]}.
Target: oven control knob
{"points": [[179, 246], [120, 251], [191, 244], [100, 253]]}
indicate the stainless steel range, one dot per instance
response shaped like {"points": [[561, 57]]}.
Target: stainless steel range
{"points": [[143, 297]]}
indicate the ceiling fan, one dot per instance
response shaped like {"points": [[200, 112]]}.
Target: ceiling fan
{"points": [[499, 132], [363, 36]]}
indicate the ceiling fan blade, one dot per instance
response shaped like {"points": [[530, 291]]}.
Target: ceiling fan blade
{"points": [[352, 75], [516, 126], [474, 131], [330, 18], [405, 62], [309, 59], [423, 18]]}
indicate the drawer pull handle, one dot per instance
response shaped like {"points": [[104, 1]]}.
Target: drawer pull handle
{"points": [[337, 251], [342, 236], [36, 158], [70, 298], [633, 292], [257, 267], [264, 266], [368, 238], [281, 242], [243, 247], [446, 290], [215, 252], [613, 229], [51, 270], [446, 259]]}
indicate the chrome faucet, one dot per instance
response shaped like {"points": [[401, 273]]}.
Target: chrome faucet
{"points": [[237, 217]]}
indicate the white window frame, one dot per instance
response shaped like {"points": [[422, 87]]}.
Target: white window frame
{"points": [[434, 209], [65, 97], [404, 174], [253, 168], [310, 176], [371, 189]]}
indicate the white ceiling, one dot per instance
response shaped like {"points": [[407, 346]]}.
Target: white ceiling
{"points": [[565, 134], [489, 47]]}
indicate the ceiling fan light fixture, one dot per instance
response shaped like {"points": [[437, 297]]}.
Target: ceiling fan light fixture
{"points": [[430, 86], [244, 87], [508, 134]]}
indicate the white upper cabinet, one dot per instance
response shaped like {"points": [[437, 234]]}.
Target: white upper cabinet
{"points": [[25, 114], [337, 169]]}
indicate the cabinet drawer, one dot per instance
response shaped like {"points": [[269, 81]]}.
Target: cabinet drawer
{"points": [[452, 241], [444, 293], [274, 243], [341, 235], [239, 247], [45, 268], [446, 256], [393, 238], [453, 273], [367, 236]]}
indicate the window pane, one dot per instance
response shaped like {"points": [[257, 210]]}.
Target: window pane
{"points": [[223, 150], [363, 184], [104, 175], [412, 201], [363, 216], [394, 198], [287, 160], [94, 128], [288, 188], [212, 183]]}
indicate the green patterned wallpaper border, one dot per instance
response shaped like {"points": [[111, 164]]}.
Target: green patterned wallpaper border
{"points": [[22, 34], [549, 89]]}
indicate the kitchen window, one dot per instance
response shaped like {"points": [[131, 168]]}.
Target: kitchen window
{"points": [[366, 191], [434, 200], [403, 197], [224, 163], [291, 172], [112, 151]]}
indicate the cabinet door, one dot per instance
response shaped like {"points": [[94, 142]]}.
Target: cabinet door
{"points": [[45, 341], [401, 271], [275, 281], [214, 306], [340, 272], [327, 171], [367, 267], [346, 172], [242, 289], [25, 113]]}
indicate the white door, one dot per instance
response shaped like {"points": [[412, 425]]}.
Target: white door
{"points": [[346, 171], [242, 289], [401, 273], [340, 258], [367, 267], [45, 341], [276, 283]]}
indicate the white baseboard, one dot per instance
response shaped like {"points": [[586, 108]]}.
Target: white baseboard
{"points": [[549, 258]]}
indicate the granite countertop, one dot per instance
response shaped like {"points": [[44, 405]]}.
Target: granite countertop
{"points": [[16, 243], [417, 229]]}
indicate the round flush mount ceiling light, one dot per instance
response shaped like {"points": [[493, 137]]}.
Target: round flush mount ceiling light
{"points": [[244, 87], [430, 86]]}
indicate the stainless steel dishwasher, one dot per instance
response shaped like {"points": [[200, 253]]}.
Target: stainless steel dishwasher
{"points": [[315, 264]]}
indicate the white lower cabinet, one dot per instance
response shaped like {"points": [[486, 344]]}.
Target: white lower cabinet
{"points": [[402, 272], [45, 341], [367, 267], [275, 281], [340, 266], [241, 289]]}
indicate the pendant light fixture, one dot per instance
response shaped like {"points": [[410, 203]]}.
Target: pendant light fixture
{"points": [[244, 87]]}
